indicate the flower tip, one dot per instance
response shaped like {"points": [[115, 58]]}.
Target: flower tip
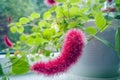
{"points": [[9, 19], [109, 1], [111, 9], [50, 3]]}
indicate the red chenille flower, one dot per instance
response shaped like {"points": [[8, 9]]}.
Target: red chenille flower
{"points": [[7, 42], [109, 0], [50, 2], [71, 51], [109, 10], [9, 19], [113, 9], [105, 10]]}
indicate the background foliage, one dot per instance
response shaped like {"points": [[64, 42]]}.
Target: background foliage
{"points": [[16, 9]]}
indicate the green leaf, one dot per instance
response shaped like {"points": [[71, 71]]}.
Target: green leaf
{"points": [[91, 30], [65, 10], [39, 40], [32, 59], [18, 24], [43, 24], [52, 9], [13, 29], [59, 34], [4, 78], [101, 1], [117, 41], [11, 24], [100, 22], [59, 12], [104, 41], [30, 41], [35, 15], [72, 24], [20, 29], [7, 55], [61, 0], [46, 53], [1, 70], [74, 1], [23, 37], [117, 2], [37, 57], [20, 67], [46, 15], [23, 20], [74, 11], [117, 5], [48, 33], [13, 59]]}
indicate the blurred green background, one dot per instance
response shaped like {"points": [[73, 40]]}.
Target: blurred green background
{"points": [[16, 9]]}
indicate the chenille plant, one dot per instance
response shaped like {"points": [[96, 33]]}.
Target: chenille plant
{"points": [[47, 30]]}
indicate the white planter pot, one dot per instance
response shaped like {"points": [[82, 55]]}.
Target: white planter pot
{"points": [[98, 60], [3, 60]]}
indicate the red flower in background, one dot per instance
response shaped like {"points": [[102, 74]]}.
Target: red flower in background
{"points": [[9, 19], [7, 42], [71, 51], [112, 9], [109, 0], [109, 6], [109, 10], [50, 2]]}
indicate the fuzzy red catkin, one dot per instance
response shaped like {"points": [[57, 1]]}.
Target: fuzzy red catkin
{"points": [[9, 19], [7, 41], [71, 51], [50, 2]]}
